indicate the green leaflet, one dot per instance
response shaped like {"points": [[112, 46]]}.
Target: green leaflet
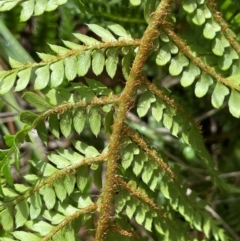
{"points": [[58, 49], [164, 38], [30, 7], [219, 44], [154, 180], [66, 123], [24, 78], [80, 146], [70, 67], [83, 199], [144, 103], [168, 117], [120, 200], [31, 178], [98, 61], [177, 64], [108, 122], [98, 87], [15, 64], [5, 6], [27, 10], [189, 5], [42, 227], [131, 207], [54, 125], [119, 30], [6, 217], [53, 4], [82, 177], [53, 217], [57, 74], [35, 205], [176, 126], [9, 140], [49, 196], [218, 95], [36, 101], [46, 57], [147, 173], [210, 29], [69, 233], [22, 213], [71, 156], [173, 48], [135, 2], [189, 75], [206, 226], [79, 119], [157, 109], [165, 189], [21, 188], [233, 103], [202, 85], [85, 39], [91, 151], [40, 7], [112, 61], [7, 83], [43, 77], [69, 183], [59, 161], [103, 33], [148, 221], [199, 18], [9, 193], [128, 153], [94, 120], [126, 64], [225, 61], [60, 189], [46, 168], [7, 173], [164, 55], [23, 236], [197, 221], [235, 78], [56, 97], [72, 45], [232, 53], [42, 131], [140, 214], [138, 163], [83, 63]]}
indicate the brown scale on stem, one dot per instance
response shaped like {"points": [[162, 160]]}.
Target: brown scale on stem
{"points": [[127, 99]]}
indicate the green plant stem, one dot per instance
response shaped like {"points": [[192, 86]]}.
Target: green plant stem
{"points": [[128, 94]]}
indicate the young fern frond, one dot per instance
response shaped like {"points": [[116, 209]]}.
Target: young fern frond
{"points": [[127, 190]]}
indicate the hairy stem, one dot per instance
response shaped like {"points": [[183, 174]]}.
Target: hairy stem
{"points": [[127, 101]]}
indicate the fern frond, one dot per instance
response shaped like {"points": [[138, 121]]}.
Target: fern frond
{"points": [[124, 188], [31, 7]]}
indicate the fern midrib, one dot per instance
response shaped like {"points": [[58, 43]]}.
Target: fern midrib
{"points": [[224, 26], [198, 62], [128, 98]]}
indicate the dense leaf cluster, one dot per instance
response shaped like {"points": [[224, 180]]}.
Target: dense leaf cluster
{"points": [[128, 190]]}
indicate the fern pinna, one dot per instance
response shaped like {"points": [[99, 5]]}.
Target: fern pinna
{"points": [[139, 192]]}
